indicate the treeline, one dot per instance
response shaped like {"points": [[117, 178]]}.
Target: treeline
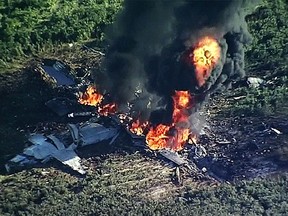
{"points": [[26, 25], [269, 28]]}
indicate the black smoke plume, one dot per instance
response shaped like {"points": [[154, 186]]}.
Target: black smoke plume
{"points": [[144, 63]]}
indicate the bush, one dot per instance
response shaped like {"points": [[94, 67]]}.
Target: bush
{"points": [[269, 28], [27, 25]]}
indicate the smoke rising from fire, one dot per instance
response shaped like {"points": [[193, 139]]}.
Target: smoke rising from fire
{"points": [[150, 44]]}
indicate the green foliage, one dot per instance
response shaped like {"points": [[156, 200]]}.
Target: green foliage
{"points": [[50, 192], [266, 57], [25, 26], [269, 28], [246, 198], [259, 101]]}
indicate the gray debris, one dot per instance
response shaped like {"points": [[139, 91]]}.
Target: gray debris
{"points": [[276, 131], [37, 139], [178, 175], [223, 142], [114, 138], [18, 159], [254, 82], [200, 151], [58, 73], [40, 152], [81, 114], [139, 143], [19, 162], [93, 50], [172, 156], [44, 148], [74, 131], [69, 158], [57, 142], [93, 133]]}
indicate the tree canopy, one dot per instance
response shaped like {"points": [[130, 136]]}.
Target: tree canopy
{"points": [[26, 25]]}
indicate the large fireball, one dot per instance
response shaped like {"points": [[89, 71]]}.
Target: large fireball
{"points": [[205, 56]]}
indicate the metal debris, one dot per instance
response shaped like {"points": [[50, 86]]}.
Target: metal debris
{"points": [[254, 82], [44, 148], [74, 131], [81, 114], [200, 151], [178, 175], [69, 158], [223, 142], [57, 142], [276, 131], [56, 73], [239, 97], [139, 142], [40, 152], [37, 139], [114, 138], [93, 133], [172, 156], [19, 162], [93, 50]]}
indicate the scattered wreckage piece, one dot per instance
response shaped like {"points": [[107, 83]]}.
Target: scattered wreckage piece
{"points": [[172, 156], [57, 142], [114, 138], [93, 50], [93, 133], [44, 148], [255, 82], [40, 151], [223, 142], [19, 162], [178, 176], [82, 114], [276, 131], [69, 158], [56, 73]]}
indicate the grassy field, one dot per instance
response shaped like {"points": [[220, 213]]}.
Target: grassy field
{"points": [[123, 181], [130, 184], [120, 181]]}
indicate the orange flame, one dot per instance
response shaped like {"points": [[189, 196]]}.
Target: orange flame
{"points": [[90, 97], [93, 98], [173, 136], [205, 56], [182, 102], [138, 128], [107, 109], [157, 138]]}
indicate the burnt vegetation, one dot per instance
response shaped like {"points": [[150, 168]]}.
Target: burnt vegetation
{"points": [[122, 182]]}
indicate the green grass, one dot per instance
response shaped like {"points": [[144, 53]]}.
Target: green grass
{"points": [[124, 184], [257, 102], [112, 188]]}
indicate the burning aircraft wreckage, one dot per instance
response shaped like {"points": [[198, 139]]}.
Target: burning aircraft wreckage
{"points": [[164, 60]]}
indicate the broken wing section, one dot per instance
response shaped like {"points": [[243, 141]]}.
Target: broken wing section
{"points": [[43, 148]]}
